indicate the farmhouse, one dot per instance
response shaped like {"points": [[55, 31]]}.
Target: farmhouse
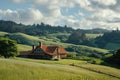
{"points": [[45, 52]]}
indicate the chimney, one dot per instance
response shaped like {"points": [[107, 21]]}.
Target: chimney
{"points": [[33, 47], [40, 44]]}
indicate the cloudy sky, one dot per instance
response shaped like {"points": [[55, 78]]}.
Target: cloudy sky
{"points": [[85, 14]]}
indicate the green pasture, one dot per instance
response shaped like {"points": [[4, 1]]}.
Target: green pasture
{"points": [[30, 69]]}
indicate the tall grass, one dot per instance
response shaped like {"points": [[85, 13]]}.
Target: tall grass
{"points": [[102, 69], [11, 69]]}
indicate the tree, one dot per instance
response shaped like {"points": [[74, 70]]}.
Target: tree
{"points": [[115, 58], [8, 48], [77, 37]]}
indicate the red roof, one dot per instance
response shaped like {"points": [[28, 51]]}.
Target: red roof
{"points": [[51, 50]]}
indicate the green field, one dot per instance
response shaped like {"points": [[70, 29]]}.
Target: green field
{"points": [[92, 36], [3, 33], [31, 69], [23, 47]]}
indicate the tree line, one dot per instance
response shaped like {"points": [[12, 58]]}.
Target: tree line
{"points": [[41, 29], [35, 29]]}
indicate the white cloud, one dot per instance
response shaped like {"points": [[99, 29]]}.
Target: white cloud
{"points": [[91, 13], [80, 14], [106, 2], [29, 16]]}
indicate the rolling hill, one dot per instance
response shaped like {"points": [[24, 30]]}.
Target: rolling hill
{"points": [[30, 69], [110, 40], [26, 41], [3, 33]]}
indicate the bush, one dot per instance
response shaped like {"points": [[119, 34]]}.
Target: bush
{"points": [[71, 55], [96, 61], [8, 48]]}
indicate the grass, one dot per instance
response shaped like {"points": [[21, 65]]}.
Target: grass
{"points": [[56, 34], [22, 38], [102, 69], [62, 62], [30, 69], [21, 70], [3, 33], [23, 47], [92, 36], [28, 36]]}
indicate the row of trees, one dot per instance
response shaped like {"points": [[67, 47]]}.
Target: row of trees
{"points": [[40, 29], [35, 29]]}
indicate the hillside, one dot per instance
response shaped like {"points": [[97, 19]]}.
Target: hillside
{"points": [[22, 47], [29, 69], [109, 40], [3, 33], [81, 50], [23, 38]]}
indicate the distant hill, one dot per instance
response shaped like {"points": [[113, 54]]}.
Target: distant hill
{"points": [[22, 38], [109, 40], [35, 29], [94, 31], [25, 39], [41, 29]]}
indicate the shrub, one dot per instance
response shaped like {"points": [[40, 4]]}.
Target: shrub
{"points": [[71, 55]]}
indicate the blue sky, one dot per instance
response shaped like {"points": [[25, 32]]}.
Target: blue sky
{"points": [[82, 14]]}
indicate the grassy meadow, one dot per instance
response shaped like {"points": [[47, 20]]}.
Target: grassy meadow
{"points": [[3, 33], [22, 47], [92, 36], [33, 69]]}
